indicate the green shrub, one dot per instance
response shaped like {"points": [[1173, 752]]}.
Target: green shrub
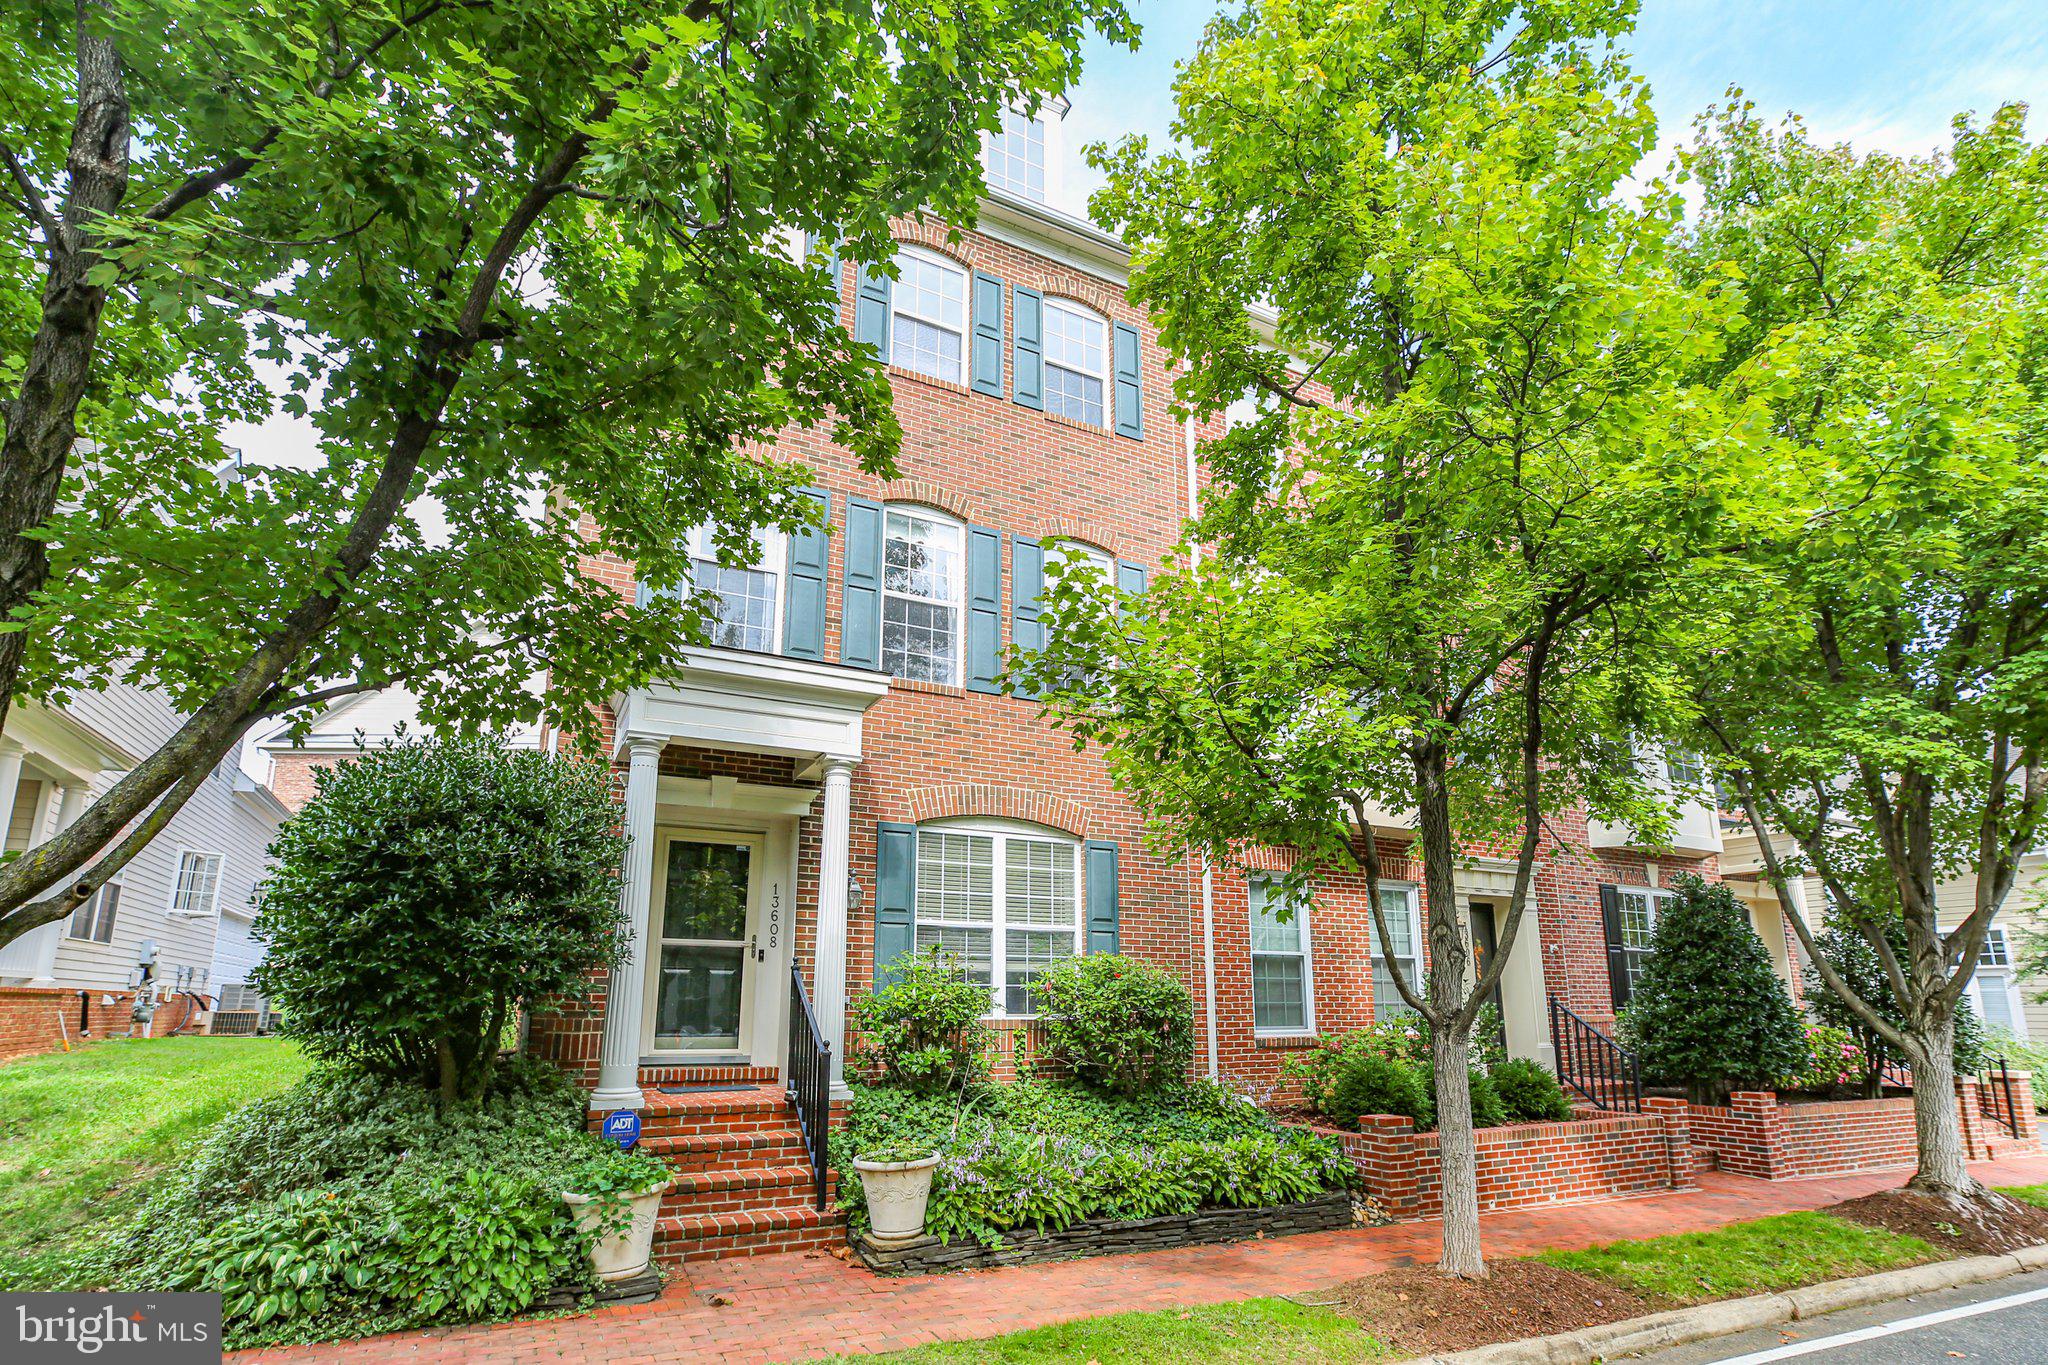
{"points": [[1116, 1023], [1368, 1082], [1488, 1110], [426, 892], [1857, 963], [1709, 1011], [1529, 1092], [924, 1030], [1047, 1155], [348, 1205]]}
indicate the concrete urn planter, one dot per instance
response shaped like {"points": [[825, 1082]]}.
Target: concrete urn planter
{"points": [[624, 1252], [897, 1192]]}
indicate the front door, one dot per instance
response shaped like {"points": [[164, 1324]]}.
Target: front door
{"points": [[1482, 954], [703, 967]]}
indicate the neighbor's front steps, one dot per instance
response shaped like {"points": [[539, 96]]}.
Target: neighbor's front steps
{"points": [[742, 1183]]}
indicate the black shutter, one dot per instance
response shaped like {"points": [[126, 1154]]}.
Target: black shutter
{"points": [[1617, 950]]}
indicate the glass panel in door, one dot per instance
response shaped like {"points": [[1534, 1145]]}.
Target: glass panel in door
{"points": [[702, 972]]}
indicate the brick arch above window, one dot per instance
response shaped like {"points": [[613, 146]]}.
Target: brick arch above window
{"points": [[932, 237], [1090, 296], [996, 801], [1265, 858], [935, 496], [1084, 530]]}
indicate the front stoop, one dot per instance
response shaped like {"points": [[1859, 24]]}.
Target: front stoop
{"points": [[742, 1183]]}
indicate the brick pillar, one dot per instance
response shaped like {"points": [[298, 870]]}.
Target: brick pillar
{"points": [[1390, 1164], [2028, 1129], [1758, 1110], [1969, 1107], [1674, 1116]]}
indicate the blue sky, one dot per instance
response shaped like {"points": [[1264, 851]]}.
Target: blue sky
{"points": [[1881, 74]]}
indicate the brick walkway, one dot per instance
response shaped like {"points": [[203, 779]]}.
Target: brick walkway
{"points": [[804, 1305]]}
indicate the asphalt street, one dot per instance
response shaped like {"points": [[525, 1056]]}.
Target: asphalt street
{"points": [[2004, 1322]]}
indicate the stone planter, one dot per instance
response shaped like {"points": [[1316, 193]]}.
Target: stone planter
{"points": [[624, 1253], [897, 1193]]}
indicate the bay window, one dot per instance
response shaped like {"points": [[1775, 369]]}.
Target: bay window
{"points": [[1003, 905]]}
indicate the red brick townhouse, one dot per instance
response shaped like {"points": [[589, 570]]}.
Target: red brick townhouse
{"points": [[839, 781]]}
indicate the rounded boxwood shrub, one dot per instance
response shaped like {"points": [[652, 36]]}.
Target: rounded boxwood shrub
{"points": [[1116, 1023], [1361, 1081], [1529, 1092], [924, 1030]]}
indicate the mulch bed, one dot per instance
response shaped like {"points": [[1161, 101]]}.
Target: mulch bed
{"points": [[1418, 1311], [2002, 1225]]}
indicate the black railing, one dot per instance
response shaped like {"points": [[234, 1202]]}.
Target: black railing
{"points": [[2008, 1118], [1895, 1072], [1601, 1070], [809, 1077]]}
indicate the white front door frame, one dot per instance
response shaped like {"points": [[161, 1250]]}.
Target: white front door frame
{"points": [[743, 1050]]}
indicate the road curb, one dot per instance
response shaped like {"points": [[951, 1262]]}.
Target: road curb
{"points": [[1681, 1326]]}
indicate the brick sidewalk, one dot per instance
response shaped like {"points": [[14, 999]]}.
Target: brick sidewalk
{"points": [[805, 1305]]}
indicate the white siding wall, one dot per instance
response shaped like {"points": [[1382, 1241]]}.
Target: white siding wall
{"points": [[235, 952], [2022, 913]]}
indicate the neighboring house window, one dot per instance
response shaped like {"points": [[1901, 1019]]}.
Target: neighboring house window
{"points": [[742, 602], [929, 331], [1638, 915], [93, 922], [1004, 905], [1401, 905], [198, 888], [1282, 999], [921, 588], [1995, 952], [1015, 157], [1993, 985], [1076, 363]]}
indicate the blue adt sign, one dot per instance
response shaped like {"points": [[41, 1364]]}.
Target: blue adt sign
{"points": [[623, 1127]]}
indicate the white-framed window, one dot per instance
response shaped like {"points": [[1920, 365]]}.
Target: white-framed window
{"points": [[923, 580], [1283, 989], [1995, 953], [1003, 902], [1684, 769], [1015, 156], [928, 327], [197, 890], [742, 603], [1638, 910], [1076, 363], [1992, 987], [93, 922], [1402, 906]]}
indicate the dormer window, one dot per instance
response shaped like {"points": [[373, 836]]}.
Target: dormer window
{"points": [[1015, 157]]}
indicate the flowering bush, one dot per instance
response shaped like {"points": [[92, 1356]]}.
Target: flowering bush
{"points": [[1117, 1023], [924, 1029], [1832, 1060], [1047, 1156]]}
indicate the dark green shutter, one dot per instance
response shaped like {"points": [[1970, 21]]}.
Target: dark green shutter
{"points": [[1027, 348], [1617, 948], [803, 623], [895, 896], [984, 609], [1102, 893], [987, 367], [1130, 384], [1027, 588], [871, 310], [860, 606], [1130, 578], [829, 245]]}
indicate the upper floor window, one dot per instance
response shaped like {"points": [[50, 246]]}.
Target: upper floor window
{"points": [[197, 891], [94, 921], [922, 582], [1282, 1001], [1004, 904], [1684, 768], [1015, 156], [1402, 907], [1995, 953], [1076, 363], [928, 332], [741, 602], [1637, 908]]}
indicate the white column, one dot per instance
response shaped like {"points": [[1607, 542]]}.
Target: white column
{"points": [[618, 1067], [834, 871], [10, 787], [70, 806]]}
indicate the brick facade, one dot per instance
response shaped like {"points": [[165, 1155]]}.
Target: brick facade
{"points": [[42, 1018], [1753, 1134]]}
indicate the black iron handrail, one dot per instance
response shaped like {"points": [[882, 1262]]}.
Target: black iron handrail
{"points": [[1601, 1070], [2010, 1118], [1895, 1072], [809, 1077]]}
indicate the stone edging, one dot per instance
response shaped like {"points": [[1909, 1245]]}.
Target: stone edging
{"points": [[1112, 1236], [1660, 1331]]}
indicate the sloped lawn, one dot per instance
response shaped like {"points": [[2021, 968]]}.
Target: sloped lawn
{"points": [[83, 1133]]}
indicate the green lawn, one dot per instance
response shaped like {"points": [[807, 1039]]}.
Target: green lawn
{"points": [[2036, 1195], [1252, 1330], [1760, 1257], [81, 1133]]}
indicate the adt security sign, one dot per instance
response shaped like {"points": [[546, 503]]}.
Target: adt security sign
{"points": [[623, 1127]]}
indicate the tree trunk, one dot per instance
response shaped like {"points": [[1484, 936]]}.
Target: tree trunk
{"points": [[1944, 1171], [450, 1070], [1450, 1050]]}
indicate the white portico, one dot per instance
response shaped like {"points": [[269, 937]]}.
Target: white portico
{"points": [[711, 864]]}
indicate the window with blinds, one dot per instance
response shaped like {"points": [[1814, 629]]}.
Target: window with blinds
{"points": [[1001, 906]]}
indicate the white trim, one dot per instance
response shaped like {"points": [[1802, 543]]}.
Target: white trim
{"points": [[1001, 832], [220, 868], [1266, 887], [956, 604], [965, 332]]}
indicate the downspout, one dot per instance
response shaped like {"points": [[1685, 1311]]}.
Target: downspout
{"points": [[1208, 872]]}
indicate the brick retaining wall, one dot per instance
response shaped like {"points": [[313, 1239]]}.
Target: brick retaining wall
{"points": [[38, 1018], [1754, 1134], [1526, 1163]]}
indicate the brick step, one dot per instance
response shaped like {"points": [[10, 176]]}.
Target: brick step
{"points": [[697, 1193], [734, 1151], [712, 1237], [715, 1112], [651, 1076]]}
